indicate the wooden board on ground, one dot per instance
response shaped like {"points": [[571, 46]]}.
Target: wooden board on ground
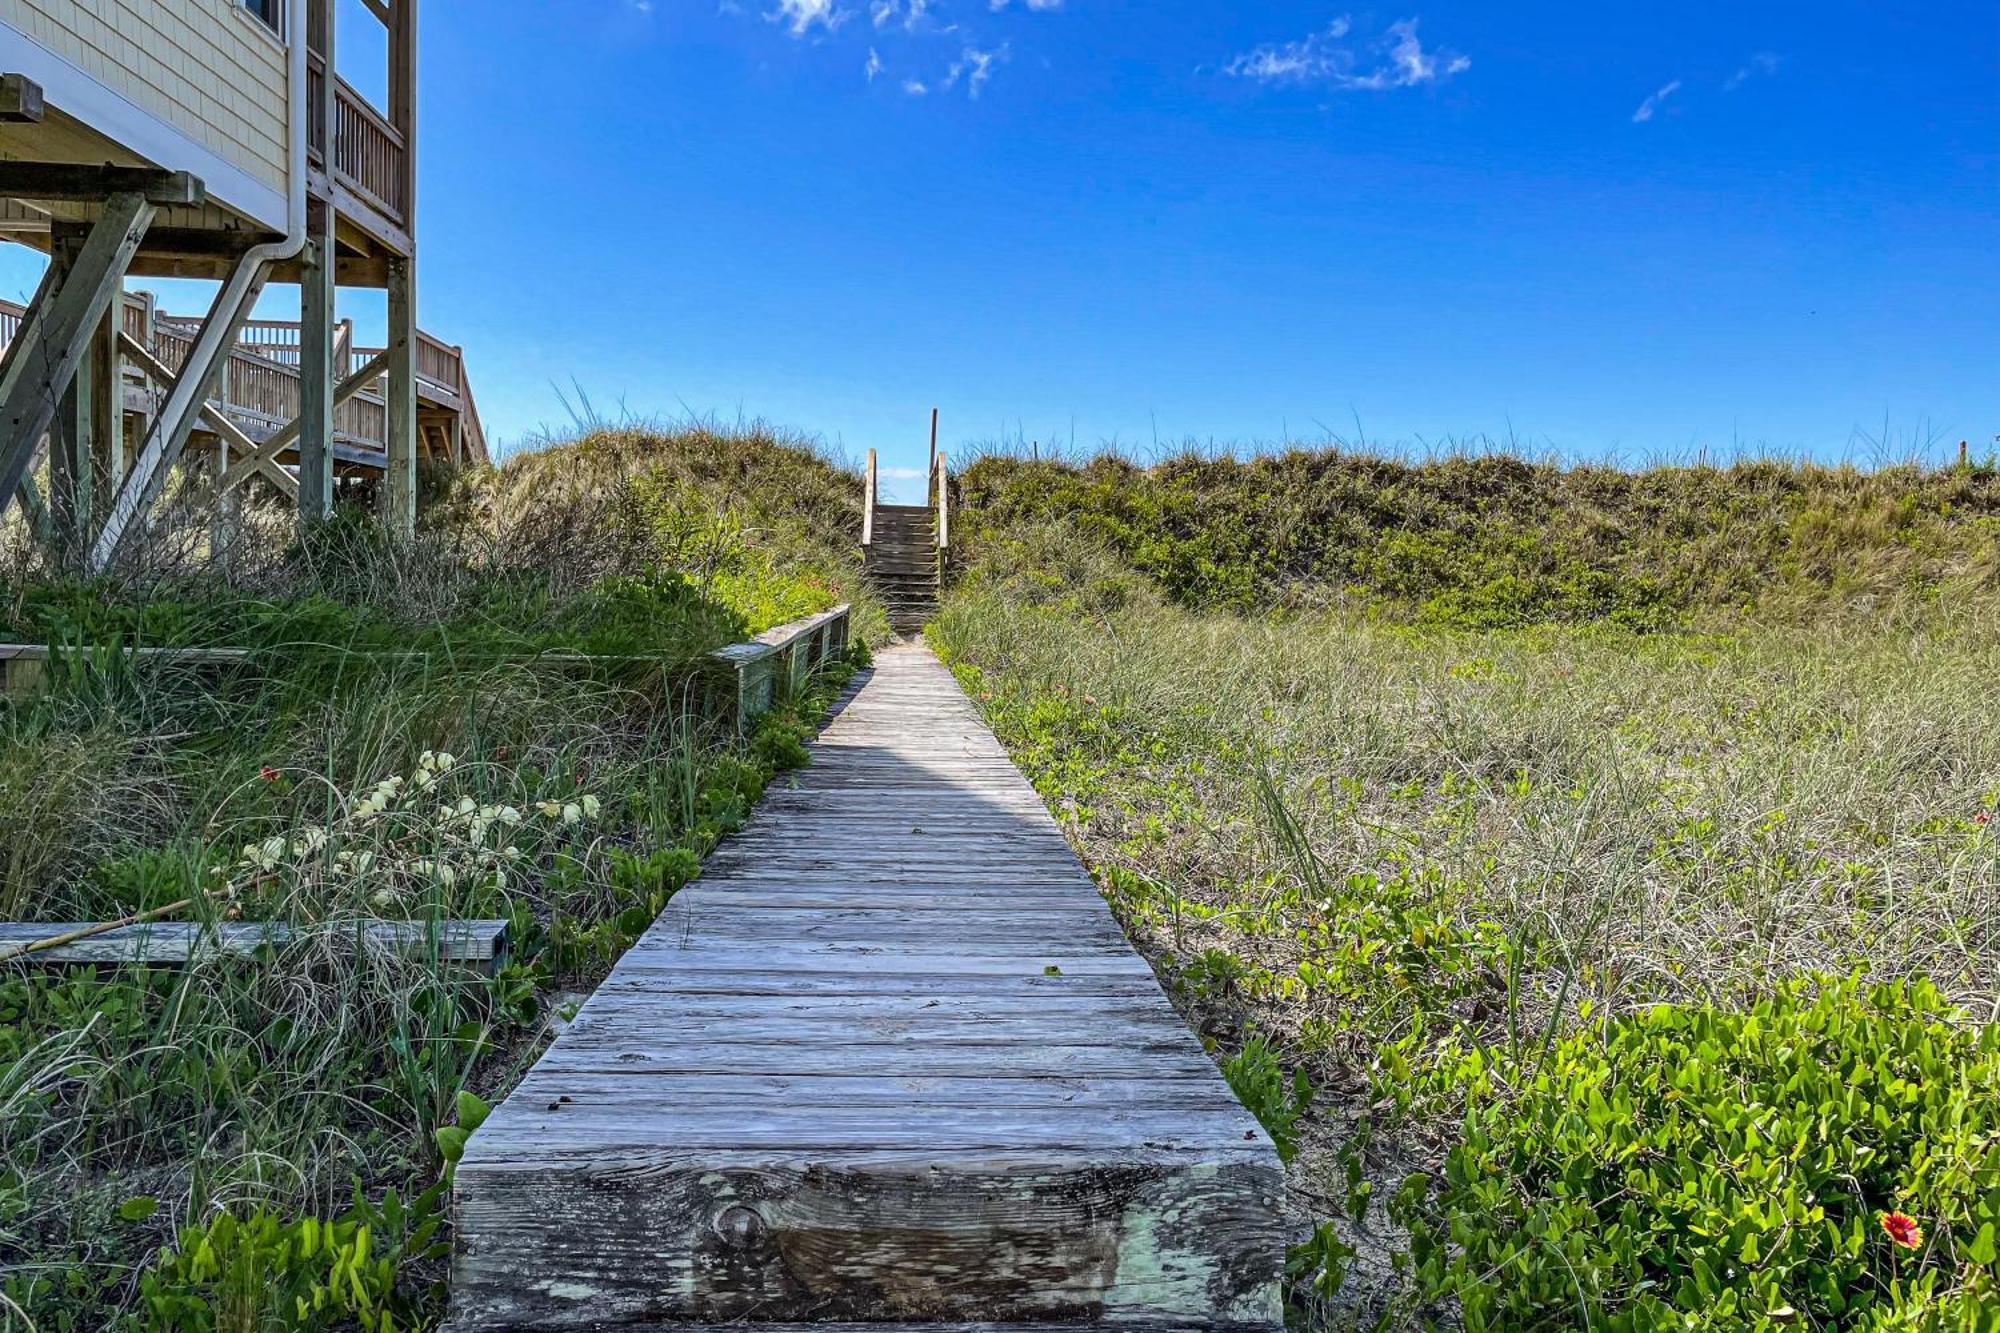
{"points": [[171, 942], [890, 1061]]}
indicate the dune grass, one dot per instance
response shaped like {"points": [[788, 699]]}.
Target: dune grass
{"points": [[1636, 978]]}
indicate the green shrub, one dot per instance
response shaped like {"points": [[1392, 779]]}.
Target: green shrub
{"points": [[1259, 1082], [1704, 1168], [260, 1274]]}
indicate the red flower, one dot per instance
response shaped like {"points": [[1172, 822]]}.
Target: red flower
{"points": [[1983, 818], [268, 773], [1902, 1229]]}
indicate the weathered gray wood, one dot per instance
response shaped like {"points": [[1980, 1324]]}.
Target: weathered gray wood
{"points": [[889, 1060], [399, 484], [319, 366], [53, 339], [20, 99], [164, 942], [94, 184]]}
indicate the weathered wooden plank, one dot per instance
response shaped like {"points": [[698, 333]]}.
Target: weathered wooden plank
{"points": [[884, 1236], [173, 942]]}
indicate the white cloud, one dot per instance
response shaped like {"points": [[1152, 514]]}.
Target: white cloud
{"points": [[1398, 60], [1038, 6], [915, 87], [1651, 106], [975, 67], [801, 15], [874, 65], [1763, 63], [909, 13]]}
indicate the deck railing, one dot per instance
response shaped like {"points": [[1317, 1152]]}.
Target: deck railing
{"points": [[259, 390], [367, 150]]}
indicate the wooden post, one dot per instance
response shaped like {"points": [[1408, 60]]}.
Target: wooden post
{"points": [[318, 368], [934, 425], [107, 408], [868, 504], [72, 442], [399, 490], [943, 507]]}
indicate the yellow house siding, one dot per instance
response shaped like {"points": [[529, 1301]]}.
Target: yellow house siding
{"points": [[202, 66]]}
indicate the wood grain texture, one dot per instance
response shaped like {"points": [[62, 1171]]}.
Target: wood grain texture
{"points": [[889, 1061], [173, 942]]}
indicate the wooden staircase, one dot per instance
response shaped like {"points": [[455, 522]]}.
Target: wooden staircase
{"points": [[902, 564], [903, 550]]}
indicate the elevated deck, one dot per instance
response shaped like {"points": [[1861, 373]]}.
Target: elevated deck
{"points": [[889, 1061]]}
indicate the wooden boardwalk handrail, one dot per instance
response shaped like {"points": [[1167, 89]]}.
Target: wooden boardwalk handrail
{"points": [[939, 479], [780, 661], [777, 662]]}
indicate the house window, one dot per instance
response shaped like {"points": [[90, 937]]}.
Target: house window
{"points": [[271, 11]]}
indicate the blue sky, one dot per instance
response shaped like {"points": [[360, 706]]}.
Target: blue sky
{"points": [[1633, 230]]}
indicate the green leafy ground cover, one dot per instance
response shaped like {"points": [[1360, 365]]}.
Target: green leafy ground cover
{"points": [[1590, 978], [252, 1144]]}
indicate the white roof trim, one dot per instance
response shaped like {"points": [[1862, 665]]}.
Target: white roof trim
{"points": [[75, 92]]}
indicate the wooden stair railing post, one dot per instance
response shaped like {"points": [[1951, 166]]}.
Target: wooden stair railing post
{"points": [[942, 478], [868, 506]]}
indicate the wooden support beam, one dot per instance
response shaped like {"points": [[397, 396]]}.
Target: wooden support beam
{"points": [[72, 443], [107, 410], [78, 183], [176, 418], [57, 332], [20, 99], [286, 435], [399, 491], [319, 369]]}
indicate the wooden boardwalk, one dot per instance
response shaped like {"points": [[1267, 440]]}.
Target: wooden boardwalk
{"points": [[889, 1061]]}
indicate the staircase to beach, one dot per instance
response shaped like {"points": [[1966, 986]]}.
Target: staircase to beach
{"points": [[903, 549]]}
